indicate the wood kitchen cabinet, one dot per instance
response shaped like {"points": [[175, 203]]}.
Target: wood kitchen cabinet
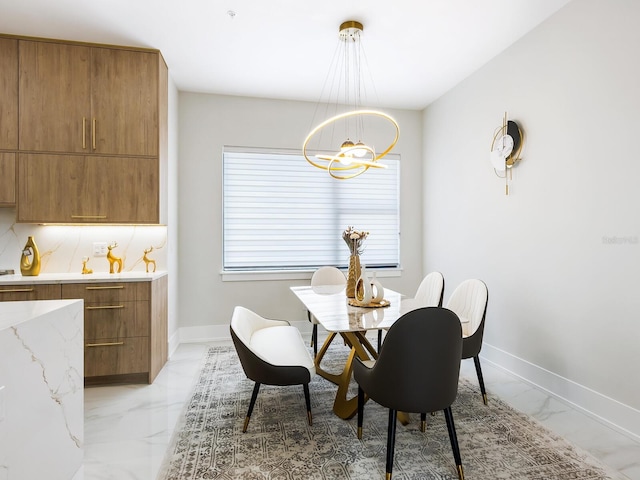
{"points": [[7, 179], [8, 94], [88, 99], [22, 292], [87, 189], [92, 128], [125, 330]]}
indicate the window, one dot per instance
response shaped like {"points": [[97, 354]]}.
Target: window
{"points": [[280, 213]]}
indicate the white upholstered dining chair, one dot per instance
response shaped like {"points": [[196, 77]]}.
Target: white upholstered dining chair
{"points": [[323, 276], [469, 301], [429, 294]]}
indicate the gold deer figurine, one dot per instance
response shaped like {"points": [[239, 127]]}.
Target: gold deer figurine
{"points": [[113, 259], [85, 270], [148, 260]]}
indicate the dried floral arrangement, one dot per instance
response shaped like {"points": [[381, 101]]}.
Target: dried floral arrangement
{"points": [[354, 239]]}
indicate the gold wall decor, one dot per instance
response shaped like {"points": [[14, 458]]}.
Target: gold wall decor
{"points": [[506, 149]]}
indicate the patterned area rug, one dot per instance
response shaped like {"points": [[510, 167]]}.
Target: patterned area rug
{"points": [[496, 442]]}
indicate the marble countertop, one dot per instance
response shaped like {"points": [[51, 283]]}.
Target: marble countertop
{"points": [[15, 313], [17, 279]]}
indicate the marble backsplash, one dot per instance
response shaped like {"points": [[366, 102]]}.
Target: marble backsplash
{"points": [[62, 247]]}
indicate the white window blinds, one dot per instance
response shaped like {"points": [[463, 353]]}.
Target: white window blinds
{"points": [[282, 213]]}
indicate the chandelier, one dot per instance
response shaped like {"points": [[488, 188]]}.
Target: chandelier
{"points": [[346, 153]]}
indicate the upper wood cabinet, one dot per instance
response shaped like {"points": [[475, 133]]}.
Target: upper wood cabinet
{"points": [[88, 99], [7, 179], [124, 102], [89, 131], [55, 188], [8, 94]]}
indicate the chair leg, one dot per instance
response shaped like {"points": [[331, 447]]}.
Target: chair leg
{"points": [[307, 400], [448, 415], [379, 339], [391, 441], [476, 362], [423, 422], [360, 411], [314, 339], [252, 403]]}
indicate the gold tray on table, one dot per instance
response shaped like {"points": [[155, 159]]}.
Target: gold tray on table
{"points": [[382, 303]]}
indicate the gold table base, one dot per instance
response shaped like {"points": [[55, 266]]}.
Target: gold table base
{"points": [[344, 407]]}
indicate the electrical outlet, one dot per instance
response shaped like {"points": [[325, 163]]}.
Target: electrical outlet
{"points": [[99, 249]]}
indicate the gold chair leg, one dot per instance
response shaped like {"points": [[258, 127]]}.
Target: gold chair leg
{"points": [[246, 424], [460, 473], [388, 476], [484, 398]]}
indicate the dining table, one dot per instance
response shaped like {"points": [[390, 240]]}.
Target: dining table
{"points": [[339, 316]]}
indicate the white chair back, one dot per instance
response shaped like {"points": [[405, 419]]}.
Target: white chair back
{"points": [[328, 276], [244, 322], [429, 293], [469, 301]]}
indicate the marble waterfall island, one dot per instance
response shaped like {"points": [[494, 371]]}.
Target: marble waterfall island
{"points": [[41, 389]]}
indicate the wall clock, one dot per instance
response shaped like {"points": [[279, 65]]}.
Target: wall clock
{"points": [[506, 148]]}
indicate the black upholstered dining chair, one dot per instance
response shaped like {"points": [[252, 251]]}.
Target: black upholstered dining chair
{"points": [[469, 301], [271, 352], [416, 371]]}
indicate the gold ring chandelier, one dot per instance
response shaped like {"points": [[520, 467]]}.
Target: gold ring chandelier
{"points": [[350, 159], [353, 159]]}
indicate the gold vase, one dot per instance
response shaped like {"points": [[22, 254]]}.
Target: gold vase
{"points": [[354, 275], [30, 266]]}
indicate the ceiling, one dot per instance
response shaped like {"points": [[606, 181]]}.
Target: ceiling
{"points": [[416, 49]]}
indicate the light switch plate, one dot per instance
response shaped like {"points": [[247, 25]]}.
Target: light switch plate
{"points": [[99, 249]]}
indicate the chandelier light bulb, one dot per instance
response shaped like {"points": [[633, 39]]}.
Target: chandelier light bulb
{"points": [[360, 149]]}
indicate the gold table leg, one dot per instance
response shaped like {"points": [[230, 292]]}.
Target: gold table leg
{"points": [[322, 372], [345, 407]]}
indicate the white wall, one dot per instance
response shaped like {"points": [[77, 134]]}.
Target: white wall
{"points": [[207, 123], [172, 209], [561, 253]]}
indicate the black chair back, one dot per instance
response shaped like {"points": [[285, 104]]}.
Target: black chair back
{"points": [[418, 366]]}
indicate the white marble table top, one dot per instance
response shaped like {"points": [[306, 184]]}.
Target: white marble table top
{"points": [[330, 306]]}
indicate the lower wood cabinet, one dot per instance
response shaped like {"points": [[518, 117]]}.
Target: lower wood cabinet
{"points": [[125, 330], [22, 293], [125, 325]]}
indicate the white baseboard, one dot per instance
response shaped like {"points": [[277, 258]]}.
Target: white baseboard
{"points": [[618, 416]]}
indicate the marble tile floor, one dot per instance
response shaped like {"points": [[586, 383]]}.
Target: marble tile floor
{"points": [[128, 428]]}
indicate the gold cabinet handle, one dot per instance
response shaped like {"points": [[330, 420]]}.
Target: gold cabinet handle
{"points": [[105, 307], [114, 287], [84, 132], [93, 133], [107, 344], [89, 217], [17, 290]]}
